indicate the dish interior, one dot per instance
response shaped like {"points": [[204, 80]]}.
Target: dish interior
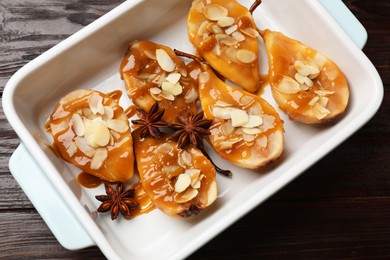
{"points": [[92, 61]]}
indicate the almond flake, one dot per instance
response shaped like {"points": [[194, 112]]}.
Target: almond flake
{"points": [[248, 138], [250, 32], [226, 21], [164, 60], [182, 183], [320, 112], [165, 148], [251, 131], [155, 91], [78, 125], [255, 109], [87, 113], [216, 29], [167, 96], [170, 169], [262, 141], [151, 55], [246, 56], [115, 134], [187, 196], [323, 92], [231, 53], [225, 145], [300, 78], [231, 29], [156, 97], [130, 64], [191, 96], [215, 12], [118, 125], [313, 101], [288, 86], [226, 39], [203, 28], [238, 36], [212, 193], [193, 173], [174, 89], [222, 104], [254, 121], [222, 113], [173, 77], [293, 104], [186, 158], [227, 128], [324, 101], [95, 103], [108, 113], [332, 74], [239, 117], [302, 68], [99, 158], [313, 69], [204, 77], [72, 149], [82, 144], [97, 134]]}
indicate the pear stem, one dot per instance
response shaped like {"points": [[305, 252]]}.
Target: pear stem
{"points": [[190, 56], [254, 6]]}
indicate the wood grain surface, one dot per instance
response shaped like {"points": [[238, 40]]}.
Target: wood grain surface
{"points": [[339, 208]]}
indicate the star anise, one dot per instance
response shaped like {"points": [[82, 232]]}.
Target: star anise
{"points": [[117, 201], [150, 122], [190, 129]]}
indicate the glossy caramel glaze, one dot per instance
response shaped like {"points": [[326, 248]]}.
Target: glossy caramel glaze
{"points": [[145, 204], [88, 181], [141, 72], [160, 164], [223, 57], [233, 143], [283, 53], [113, 162]]}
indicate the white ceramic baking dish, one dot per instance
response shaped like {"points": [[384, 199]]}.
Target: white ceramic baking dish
{"points": [[90, 59]]}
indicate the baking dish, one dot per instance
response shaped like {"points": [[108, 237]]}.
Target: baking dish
{"points": [[90, 59]]}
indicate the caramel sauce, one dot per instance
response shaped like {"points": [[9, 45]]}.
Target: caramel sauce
{"points": [[284, 52], [214, 90], [47, 126], [145, 73], [264, 81], [225, 60], [88, 181], [118, 166], [131, 111], [145, 203], [159, 170], [115, 95]]}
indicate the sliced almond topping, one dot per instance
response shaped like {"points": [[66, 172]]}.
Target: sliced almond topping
{"points": [[227, 128], [164, 60], [170, 169], [239, 117], [268, 122], [191, 96], [222, 104], [313, 101], [187, 196], [250, 32], [203, 28], [313, 69], [78, 125], [301, 68], [251, 131], [82, 144], [72, 149], [130, 64], [118, 125], [155, 91], [97, 134], [248, 138], [99, 158], [204, 77], [108, 113], [215, 12], [156, 97], [96, 104], [217, 49], [150, 54], [186, 158], [226, 39], [231, 54], [183, 71], [300, 78], [167, 96], [165, 148], [174, 89], [332, 74], [222, 113], [226, 21], [320, 112], [238, 36], [293, 104], [246, 56], [216, 29], [115, 134], [262, 141], [225, 145], [87, 113], [212, 193], [182, 183], [288, 86], [254, 121], [196, 181], [193, 173], [255, 109], [323, 92], [308, 82], [324, 101], [173, 77], [231, 29]]}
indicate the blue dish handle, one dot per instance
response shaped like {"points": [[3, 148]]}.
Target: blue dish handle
{"points": [[55, 212]]}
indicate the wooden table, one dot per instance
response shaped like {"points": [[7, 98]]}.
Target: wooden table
{"points": [[339, 208]]}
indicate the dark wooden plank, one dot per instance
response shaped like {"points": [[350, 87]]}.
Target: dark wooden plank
{"points": [[339, 208]]}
